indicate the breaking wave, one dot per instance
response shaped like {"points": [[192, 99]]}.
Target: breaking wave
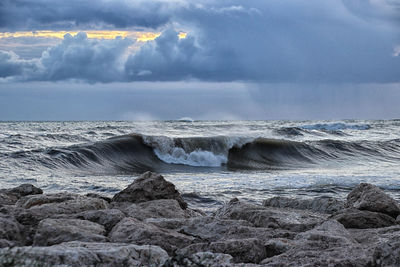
{"points": [[138, 153]]}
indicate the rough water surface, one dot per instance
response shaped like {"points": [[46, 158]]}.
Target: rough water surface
{"points": [[209, 161]]}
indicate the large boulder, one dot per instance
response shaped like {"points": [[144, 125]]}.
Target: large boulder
{"points": [[250, 250], [48, 206], [108, 218], [149, 186], [55, 231], [328, 244], [159, 208], [77, 254], [370, 197], [10, 230], [362, 219], [10, 196], [260, 216], [131, 230], [319, 204]]}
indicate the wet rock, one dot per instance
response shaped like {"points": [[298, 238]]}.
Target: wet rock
{"points": [[149, 186], [204, 259], [25, 190], [318, 204], [250, 250], [160, 208], [362, 219], [328, 244], [131, 230], [383, 244], [108, 218], [94, 195], [55, 205], [6, 199], [78, 254], [11, 230], [55, 231], [372, 198], [268, 217], [37, 200]]}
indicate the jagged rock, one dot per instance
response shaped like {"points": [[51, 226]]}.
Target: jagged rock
{"points": [[61, 204], [7, 199], [383, 244], [242, 250], [94, 195], [319, 204], [37, 200], [108, 218], [361, 219], [328, 244], [25, 190], [149, 186], [260, 216], [372, 198], [55, 231], [11, 230], [77, 254], [160, 208], [203, 259], [131, 230]]}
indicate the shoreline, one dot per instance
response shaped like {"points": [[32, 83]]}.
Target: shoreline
{"points": [[150, 224]]}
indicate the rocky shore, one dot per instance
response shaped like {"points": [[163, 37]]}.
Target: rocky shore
{"points": [[150, 224]]}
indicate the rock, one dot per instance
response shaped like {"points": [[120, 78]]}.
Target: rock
{"points": [[149, 186], [108, 218], [94, 195], [383, 244], [55, 231], [362, 219], [11, 230], [203, 259], [131, 230], [7, 199], [55, 205], [37, 200], [250, 250], [77, 254], [328, 244], [4, 243], [372, 198], [318, 204], [160, 208], [25, 190], [260, 216]]}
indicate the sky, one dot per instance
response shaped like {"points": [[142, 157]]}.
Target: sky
{"points": [[207, 59]]}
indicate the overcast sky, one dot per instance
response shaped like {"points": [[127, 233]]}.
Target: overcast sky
{"points": [[210, 59]]}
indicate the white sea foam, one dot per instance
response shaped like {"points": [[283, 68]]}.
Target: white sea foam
{"points": [[194, 158]]}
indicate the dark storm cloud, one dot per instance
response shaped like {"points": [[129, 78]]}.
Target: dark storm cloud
{"points": [[261, 41], [88, 14]]}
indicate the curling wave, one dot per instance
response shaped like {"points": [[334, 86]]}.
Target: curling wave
{"points": [[138, 153]]}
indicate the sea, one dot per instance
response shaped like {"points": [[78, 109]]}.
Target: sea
{"points": [[210, 162]]}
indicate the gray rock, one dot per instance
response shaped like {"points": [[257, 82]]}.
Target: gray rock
{"points": [[77, 254], [25, 190], [37, 200], [108, 218], [149, 186], [62, 204], [131, 230], [260, 216], [250, 250], [362, 219], [7, 199], [55, 231], [203, 259], [372, 198], [11, 230], [318, 204], [329, 244], [160, 208], [4, 243]]}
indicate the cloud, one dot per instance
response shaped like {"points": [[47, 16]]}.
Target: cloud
{"points": [[298, 41], [88, 14]]}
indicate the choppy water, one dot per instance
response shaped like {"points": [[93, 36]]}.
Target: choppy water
{"points": [[209, 161]]}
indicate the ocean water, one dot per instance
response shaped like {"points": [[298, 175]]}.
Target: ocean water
{"points": [[209, 161]]}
